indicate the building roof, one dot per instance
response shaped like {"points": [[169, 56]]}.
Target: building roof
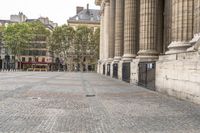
{"points": [[31, 20], [6, 22], [86, 15]]}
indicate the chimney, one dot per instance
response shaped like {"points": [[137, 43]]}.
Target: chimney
{"points": [[79, 9], [88, 7]]}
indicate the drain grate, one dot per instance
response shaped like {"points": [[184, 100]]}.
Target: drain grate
{"points": [[35, 98], [90, 95]]}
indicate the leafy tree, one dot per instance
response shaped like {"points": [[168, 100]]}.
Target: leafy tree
{"points": [[61, 41], [1, 34], [38, 29], [82, 46], [39, 33], [19, 37], [75, 45], [16, 38], [95, 43]]}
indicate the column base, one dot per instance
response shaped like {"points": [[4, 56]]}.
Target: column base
{"points": [[195, 38], [110, 60], [178, 47], [128, 57], [117, 58], [147, 54], [195, 42]]}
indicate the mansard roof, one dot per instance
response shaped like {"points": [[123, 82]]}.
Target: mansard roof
{"points": [[89, 15]]}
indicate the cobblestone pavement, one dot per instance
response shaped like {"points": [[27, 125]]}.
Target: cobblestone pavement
{"points": [[65, 103]]}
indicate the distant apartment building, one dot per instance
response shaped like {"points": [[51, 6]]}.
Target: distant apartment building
{"points": [[37, 57], [18, 18], [84, 17]]}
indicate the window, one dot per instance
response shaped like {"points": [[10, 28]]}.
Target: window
{"points": [[43, 59], [23, 59], [36, 59], [30, 59]]}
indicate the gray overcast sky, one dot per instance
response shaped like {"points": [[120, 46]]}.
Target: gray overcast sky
{"points": [[57, 10]]}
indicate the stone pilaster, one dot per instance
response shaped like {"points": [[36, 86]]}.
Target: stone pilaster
{"points": [[148, 29], [119, 29], [130, 29], [112, 30], [182, 26]]}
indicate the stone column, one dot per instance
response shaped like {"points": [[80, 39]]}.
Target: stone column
{"points": [[130, 21], [101, 52], [160, 29], [197, 17], [119, 29], [196, 27], [102, 48], [148, 29], [167, 24], [112, 30], [106, 28], [182, 26]]}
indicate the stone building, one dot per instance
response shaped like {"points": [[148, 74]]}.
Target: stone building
{"points": [[153, 43], [84, 17], [87, 17], [20, 17], [38, 57]]}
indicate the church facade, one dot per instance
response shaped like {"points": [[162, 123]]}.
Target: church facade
{"points": [[153, 43]]}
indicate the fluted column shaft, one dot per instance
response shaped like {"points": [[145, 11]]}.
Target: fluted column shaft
{"points": [[112, 30], [196, 16], [130, 29], [101, 52], [182, 25], [148, 28], [119, 29], [182, 20], [106, 29], [196, 26], [167, 24]]}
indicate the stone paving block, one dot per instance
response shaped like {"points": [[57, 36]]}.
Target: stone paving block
{"points": [[55, 103]]}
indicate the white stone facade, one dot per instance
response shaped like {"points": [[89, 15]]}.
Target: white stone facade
{"points": [[164, 34]]}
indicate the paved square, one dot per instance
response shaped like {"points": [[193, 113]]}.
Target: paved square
{"points": [[54, 102]]}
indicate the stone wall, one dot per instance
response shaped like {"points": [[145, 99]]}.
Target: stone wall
{"points": [[134, 71], [179, 75]]}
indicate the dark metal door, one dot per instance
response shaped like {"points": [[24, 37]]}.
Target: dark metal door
{"points": [[126, 72], [147, 74], [0, 63], [104, 69], [115, 70], [108, 70]]}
